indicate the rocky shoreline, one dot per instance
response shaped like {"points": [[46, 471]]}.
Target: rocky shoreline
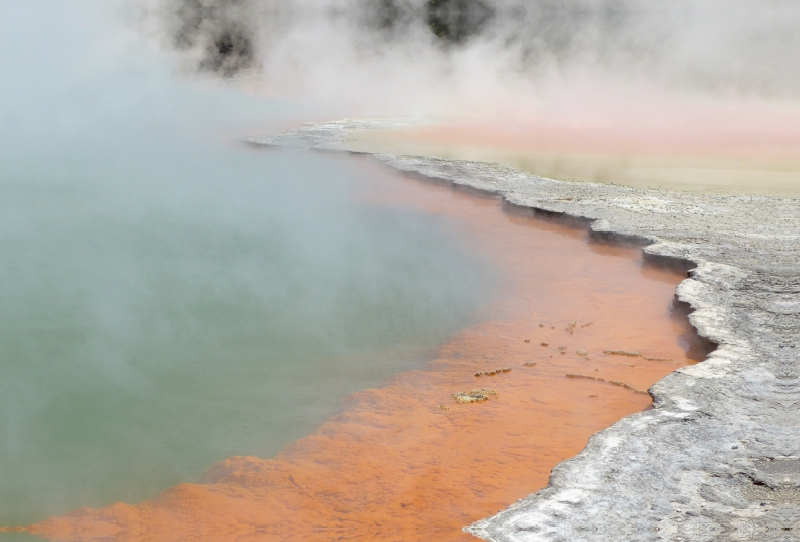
{"points": [[718, 458]]}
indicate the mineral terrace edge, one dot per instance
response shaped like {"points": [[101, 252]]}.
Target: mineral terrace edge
{"points": [[718, 457]]}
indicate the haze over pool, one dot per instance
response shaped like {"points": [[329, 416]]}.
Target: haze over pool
{"points": [[169, 300]]}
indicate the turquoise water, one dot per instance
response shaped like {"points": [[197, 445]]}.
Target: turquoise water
{"points": [[169, 298]]}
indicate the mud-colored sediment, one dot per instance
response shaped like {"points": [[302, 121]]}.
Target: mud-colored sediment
{"points": [[406, 462], [718, 458]]}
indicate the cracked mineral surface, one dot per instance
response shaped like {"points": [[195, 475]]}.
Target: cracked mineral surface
{"points": [[718, 458]]}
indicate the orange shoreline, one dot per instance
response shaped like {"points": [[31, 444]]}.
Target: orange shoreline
{"points": [[394, 465]]}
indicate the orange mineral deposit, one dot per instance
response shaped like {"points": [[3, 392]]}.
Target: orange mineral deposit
{"points": [[406, 461]]}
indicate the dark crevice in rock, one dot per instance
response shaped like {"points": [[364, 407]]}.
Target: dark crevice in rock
{"points": [[563, 219], [679, 265]]}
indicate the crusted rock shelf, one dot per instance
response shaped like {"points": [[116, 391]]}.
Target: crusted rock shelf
{"points": [[718, 458]]}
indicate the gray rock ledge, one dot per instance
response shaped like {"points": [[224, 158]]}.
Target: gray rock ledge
{"points": [[718, 458]]}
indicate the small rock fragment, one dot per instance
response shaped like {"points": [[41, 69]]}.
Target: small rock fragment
{"points": [[622, 353], [612, 382], [573, 375], [474, 396], [492, 373]]}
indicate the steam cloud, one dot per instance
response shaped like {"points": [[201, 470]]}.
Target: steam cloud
{"points": [[607, 62], [739, 44]]}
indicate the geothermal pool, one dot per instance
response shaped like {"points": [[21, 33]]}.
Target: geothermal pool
{"points": [[403, 460], [154, 326], [267, 345], [171, 298]]}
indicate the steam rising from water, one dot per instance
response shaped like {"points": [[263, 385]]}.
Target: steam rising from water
{"points": [[669, 73], [166, 300], [730, 47], [118, 224]]}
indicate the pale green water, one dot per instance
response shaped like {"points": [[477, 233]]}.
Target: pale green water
{"points": [[168, 300]]}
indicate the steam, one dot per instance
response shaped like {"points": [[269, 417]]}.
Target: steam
{"points": [[167, 297], [679, 75], [736, 47], [220, 34]]}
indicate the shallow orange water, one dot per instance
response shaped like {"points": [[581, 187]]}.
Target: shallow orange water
{"points": [[393, 465]]}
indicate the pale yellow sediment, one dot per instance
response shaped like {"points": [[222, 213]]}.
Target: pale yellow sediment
{"points": [[776, 176]]}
